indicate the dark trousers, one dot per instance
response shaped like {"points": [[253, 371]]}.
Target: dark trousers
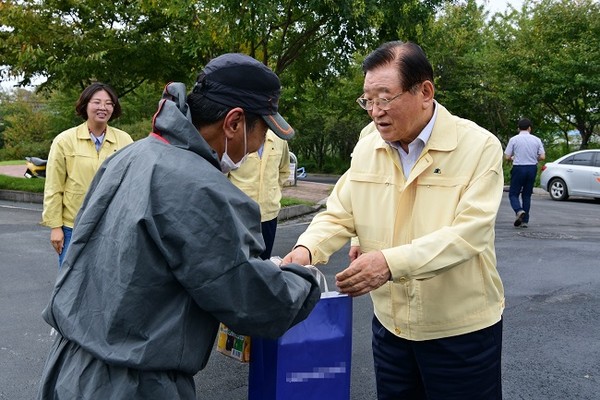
{"points": [[522, 179], [454, 368], [68, 232], [268, 232]]}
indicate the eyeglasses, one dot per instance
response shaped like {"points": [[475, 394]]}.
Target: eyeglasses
{"points": [[382, 104], [98, 103]]}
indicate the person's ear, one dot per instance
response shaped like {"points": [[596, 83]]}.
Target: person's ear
{"points": [[233, 122], [427, 90]]}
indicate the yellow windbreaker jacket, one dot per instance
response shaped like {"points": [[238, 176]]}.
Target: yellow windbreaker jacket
{"points": [[262, 178], [435, 229], [72, 164]]}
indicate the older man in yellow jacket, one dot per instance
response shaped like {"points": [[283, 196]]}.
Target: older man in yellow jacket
{"points": [[422, 197], [262, 176]]}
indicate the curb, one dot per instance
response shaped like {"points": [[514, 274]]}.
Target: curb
{"points": [[299, 210], [38, 198], [285, 213], [295, 211], [23, 197]]}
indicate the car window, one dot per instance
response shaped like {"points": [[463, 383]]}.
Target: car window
{"points": [[585, 158], [568, 160], [597, 163]]}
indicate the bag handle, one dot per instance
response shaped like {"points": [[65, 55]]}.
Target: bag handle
{"points": [[321, 280], [320, 277]]}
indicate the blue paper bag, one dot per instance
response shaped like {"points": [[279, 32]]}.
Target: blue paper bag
{"points": [[310, 361]]}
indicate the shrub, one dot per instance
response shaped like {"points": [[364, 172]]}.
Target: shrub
{"points": [[22, 184]]}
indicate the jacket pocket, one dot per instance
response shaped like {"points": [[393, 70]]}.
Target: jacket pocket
{"points": [[375, 205], [370, 178], [436, 201], [452, 298]]}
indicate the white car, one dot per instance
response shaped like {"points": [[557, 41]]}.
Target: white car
{"points": [[575, 174]]}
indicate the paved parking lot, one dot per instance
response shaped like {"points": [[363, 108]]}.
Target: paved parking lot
{"points": [[551, 273]]}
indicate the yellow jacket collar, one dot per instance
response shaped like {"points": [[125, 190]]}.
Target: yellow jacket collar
{"points": [[84, 133]]}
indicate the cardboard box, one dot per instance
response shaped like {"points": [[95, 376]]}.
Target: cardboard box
{"points": [[233, 345]]}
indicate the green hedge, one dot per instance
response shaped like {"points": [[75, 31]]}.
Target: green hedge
{"points": [[35, 185]]}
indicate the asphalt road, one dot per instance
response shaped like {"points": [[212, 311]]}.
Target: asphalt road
{"points": [[550, 272]]}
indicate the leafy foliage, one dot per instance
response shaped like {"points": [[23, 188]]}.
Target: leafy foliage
{"points": [[25, 126], [125, 43], [73, 43], [552, 58], [328, 122], [541, 61], [30, 121], [459, 59]]}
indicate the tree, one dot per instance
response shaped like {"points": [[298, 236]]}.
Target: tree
{"points": [[311, 45], [461, 50], [26, 122], [72, 43], [327, 120], [126, 43], [552, 56]]}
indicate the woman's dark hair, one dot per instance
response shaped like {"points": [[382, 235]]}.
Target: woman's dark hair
{"points": [[413, 65], [88, 92], [205, 111]]}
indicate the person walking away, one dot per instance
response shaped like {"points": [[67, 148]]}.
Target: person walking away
{"points": [[422, 197], [75, 156], [524, 150], [165, 246], [262, 177]]}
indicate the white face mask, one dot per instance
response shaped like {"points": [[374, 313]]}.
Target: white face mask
{"points": [[227, 164]]}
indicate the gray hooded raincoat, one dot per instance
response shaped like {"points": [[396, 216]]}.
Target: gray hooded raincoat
{"points": [[164, 248]]}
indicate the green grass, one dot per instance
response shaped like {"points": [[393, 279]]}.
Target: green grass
{"points": [[22, 184], [290, 201], [35, 185]]}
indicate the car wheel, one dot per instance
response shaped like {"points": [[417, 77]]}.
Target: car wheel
{"points": [[558, 189]]}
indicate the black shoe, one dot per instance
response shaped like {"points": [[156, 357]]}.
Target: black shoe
{"points": [[520, 216]]}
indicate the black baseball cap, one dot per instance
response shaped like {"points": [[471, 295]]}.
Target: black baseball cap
{"points": [[238, 80]]}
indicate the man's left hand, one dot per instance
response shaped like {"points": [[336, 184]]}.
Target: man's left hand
{"points": [[368, 272]]}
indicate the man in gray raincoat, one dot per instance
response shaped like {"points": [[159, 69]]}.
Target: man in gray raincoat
{"points": [[165, 247]]}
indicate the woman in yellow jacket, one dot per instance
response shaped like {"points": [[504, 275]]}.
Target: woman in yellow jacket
{"points": [[75, 156]]}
